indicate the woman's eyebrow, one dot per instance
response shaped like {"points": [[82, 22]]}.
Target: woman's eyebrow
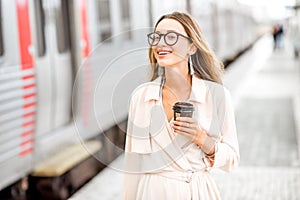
{"points": [[170, 30]]}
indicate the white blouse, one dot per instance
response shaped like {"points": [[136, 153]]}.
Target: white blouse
{"points": [[152, 147]]}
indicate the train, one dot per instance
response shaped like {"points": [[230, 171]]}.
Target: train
{"points": [[68, 67]]}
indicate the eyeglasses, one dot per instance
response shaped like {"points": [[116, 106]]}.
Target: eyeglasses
{"points": [[170, 38]]}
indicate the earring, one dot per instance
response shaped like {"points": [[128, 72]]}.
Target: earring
{"points": [[160, 70], [191, 67]]}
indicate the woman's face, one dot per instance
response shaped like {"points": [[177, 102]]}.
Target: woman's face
{"points": [[171, 55]]}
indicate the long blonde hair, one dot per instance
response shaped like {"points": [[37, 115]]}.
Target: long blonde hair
{"points": [[205, 63]]}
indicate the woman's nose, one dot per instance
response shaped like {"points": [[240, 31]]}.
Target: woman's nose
{"points": [[161, 42]]}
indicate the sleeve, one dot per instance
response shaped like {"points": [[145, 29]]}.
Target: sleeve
{"points": [[226, 156], [137, 135], [135, 144], [130, 180], [128, 141]]}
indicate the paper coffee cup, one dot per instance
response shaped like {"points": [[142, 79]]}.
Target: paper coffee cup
{"points": [[183, 109]]}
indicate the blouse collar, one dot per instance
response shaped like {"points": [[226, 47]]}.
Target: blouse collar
{"points": [[198, 93]]}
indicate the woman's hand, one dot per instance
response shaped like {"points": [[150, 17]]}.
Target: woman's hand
{"points": [[189, 127]]}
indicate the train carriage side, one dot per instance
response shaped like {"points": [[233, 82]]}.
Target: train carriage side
{"points": [[36, 85], [17, 93]]}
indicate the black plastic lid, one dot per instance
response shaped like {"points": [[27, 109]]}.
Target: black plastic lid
{"points": [[183, 107]]}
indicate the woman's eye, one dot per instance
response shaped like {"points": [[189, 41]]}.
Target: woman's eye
{"points": [[171, 37]]}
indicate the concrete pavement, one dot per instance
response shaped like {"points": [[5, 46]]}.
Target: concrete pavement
{"points": [[267, 116]]}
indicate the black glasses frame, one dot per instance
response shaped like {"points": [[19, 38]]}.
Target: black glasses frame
{"points": [[161, 34]]}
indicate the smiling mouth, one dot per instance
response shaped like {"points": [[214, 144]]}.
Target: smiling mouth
{"points": [[161, 53]]}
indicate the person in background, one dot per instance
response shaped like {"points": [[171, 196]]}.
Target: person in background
{"points": [[280, 33], [274, 34], [277, 32], [172, 159]]}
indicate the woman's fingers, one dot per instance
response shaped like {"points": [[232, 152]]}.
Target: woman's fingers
{"points": [[186, 122], [182, 132], [188, 130], [185, 128], [186, 119]]}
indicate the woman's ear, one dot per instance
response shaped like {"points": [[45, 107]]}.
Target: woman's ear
{"points": [[193, 49]]}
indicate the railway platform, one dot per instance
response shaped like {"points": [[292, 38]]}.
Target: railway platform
{"points": [[265, 86]]}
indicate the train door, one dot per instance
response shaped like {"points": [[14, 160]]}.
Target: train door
{"points": [[53, 63], [61, 63]]}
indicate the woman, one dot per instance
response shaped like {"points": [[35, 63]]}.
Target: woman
{"points": [[167, 158]]}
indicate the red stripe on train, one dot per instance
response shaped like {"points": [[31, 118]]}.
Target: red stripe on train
{"points": [[28, 124], [26, 60], [26, 152], [28, 77], [86, 105], [28, 86], [28, 96], [29, 115], [29, 105], [24, 34], [85, 30], [26, 142], [25, 134]]}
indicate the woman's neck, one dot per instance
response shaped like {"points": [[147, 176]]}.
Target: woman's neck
{"points": [[178, 80]]}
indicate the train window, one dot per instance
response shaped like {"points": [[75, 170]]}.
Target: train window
{"points": [[125, 8], [40, 27], [62, 24], [1, 33], [150, 13], [104, 21]]}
